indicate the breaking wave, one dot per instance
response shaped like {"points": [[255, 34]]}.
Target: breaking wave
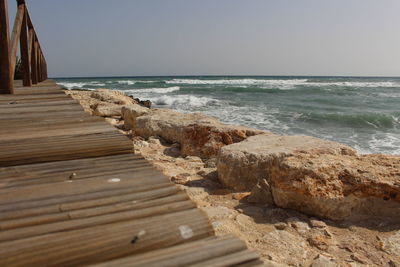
{"points": [[155, 90], [183, 101], [281, 83]]}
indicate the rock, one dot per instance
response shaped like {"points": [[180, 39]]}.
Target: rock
{"points": [[268, 263], [211, 163], [154, 140], [172, 152], [319, 241], [130, 113], [240, 196], [317, 223], [219, 212], [112, 96], [293, 248], [144, 103], [198, 134], [359, 258], [324, 261], [300, 226], [205, 140], [392, 263], [261, 193], [109, 110], [392, 244], [280, 226], [194, 159], [244, 220], [317, 177]]}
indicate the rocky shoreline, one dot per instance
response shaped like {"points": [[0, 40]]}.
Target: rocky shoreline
{"points": [[297, 200]]}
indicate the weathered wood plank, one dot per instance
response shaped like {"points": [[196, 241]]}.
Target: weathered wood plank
{"points": [[79, 220], [58, 148], [32, 98], [100, 243], [222, 251]]}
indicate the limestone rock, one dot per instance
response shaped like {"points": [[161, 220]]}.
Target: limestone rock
{"points": [[205, 140], [109, 110], [112, 96], [315, 176], [324, 261], [261, 193], [198, 134], [130, 113]]}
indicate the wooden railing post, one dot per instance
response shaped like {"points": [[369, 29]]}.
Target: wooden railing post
{"points": [[6, 81], [24, 50], [34, 61], [15, 36]]}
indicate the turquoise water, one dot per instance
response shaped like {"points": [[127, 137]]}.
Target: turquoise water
{"points": [[361, 112]]}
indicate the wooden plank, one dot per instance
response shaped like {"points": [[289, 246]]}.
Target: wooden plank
{"points": [[100, 243], [75, 169], [51, 131], [76, 187], [95, 206], [74, 220], [42, 124], [59, 102], [37, 171], [212, 251], [32, 98], [56, 114], [58, 148], [24, 50], [6, 81], [71, 202], [5, 110]]}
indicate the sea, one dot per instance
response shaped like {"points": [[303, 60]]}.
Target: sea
{"points": [[362, 112]]}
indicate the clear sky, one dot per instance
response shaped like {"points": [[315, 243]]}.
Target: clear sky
{"points": [[227, 37]]}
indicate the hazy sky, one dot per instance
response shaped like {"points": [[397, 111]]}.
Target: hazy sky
{"points": [[228, 37]]}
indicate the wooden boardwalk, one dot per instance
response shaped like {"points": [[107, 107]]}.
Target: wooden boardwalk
{"points": [[73, 193]]}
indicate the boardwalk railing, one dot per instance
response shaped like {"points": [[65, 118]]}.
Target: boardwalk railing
{"points": [[34, 66]]}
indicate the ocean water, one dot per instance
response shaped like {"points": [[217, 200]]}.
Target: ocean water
{"points": [[361, 112]]}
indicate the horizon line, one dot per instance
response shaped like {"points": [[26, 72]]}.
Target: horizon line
{"points": [[222, 75]]}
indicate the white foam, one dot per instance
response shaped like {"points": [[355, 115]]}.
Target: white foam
{"points": [[241, 82], [155, 90], [385, 143], [126, 82], [183, 102], [147, 81], [79, 85], [69, 85], [280, 83], [355, 84]]}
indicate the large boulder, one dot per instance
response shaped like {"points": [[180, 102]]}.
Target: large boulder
{"points": [[315, 176], [198, 134], [205, 140], [130, 113]]}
